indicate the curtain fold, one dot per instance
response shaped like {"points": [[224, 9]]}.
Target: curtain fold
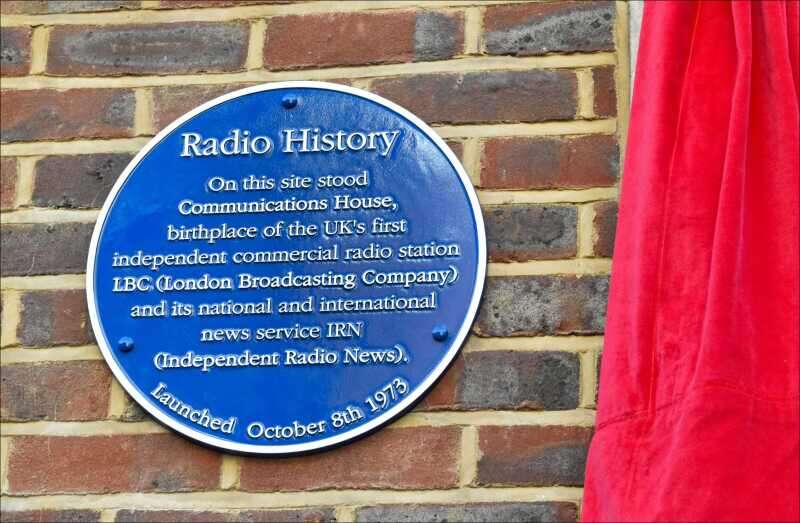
{"points": [[700, 384]]}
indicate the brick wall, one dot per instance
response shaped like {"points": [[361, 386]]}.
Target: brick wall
{"points": [[531, 96]]}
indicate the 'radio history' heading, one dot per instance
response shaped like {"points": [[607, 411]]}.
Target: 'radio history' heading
{"points": [[302, 140]]}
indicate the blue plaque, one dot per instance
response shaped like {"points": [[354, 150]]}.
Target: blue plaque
{"points": [[286, 268]]}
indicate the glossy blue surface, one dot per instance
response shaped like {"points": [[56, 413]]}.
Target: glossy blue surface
{"points": [[429, 194]]}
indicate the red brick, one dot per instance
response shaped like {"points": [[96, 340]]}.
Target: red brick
{"points": [[531, 232], [457, 148], [31, 249], [35, 7], [50, 516], [484, 97], [605, 227], [170, 103], [444, 395], [407, 458], [15, 51], [189, 47], [537, 456], [301, 515], [542, 305], [8, 182], [54, 318], [48, 114], [61, 391], [103, 464], [605, 91], [541, 28], [547, 163], [328, 39], [76, 182]]}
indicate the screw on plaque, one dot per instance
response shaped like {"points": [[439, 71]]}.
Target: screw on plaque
{"points": [[440, 332], [125, 344], [290, 101]]}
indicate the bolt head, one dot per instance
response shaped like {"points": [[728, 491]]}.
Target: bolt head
{"points": [[440, 332], [125, 344], [290, 101]]}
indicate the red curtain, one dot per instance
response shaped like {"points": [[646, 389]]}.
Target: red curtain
{"points": [[699, 392]]}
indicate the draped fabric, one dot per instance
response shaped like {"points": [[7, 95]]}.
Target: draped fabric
{"points": [[699, 392]]}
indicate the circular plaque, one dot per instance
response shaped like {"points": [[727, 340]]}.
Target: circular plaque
{"points": [[286, 268]]}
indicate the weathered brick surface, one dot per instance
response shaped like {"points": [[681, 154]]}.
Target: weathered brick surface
{"points": [[50, 516], [542, 305], [541, 28], [49, 114], [529, 232], [8, 182], [75, 182], [54, 318], [520, 380], [537, 456], [329, 39], [605, 91], [382, 460], [546, 163], [64, 6], [471, 513], [62, 391], [15, 51], [488, 97], [169, 103], [508, 380], [304, 515], [605, 227], [148, 49], [44, 248], [102, 464]]}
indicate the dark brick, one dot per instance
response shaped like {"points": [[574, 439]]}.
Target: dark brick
{"points": [[538, 456], [508, 380], [369, 463], [497, 96], [54, 318], [62, 391], [33, 249], [543, 511], [541, 28], [304, 515], [457, 148], [519, 380], [50, 516], [35, 7], [605, 91], [76, 182], [328, 39], [170, 103], [48, 114], [605, 227], [15, 51], [189, 47], [542, 305], [8, 182], [104, 464], [547, 163], [530, 232], [437, 36]]}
